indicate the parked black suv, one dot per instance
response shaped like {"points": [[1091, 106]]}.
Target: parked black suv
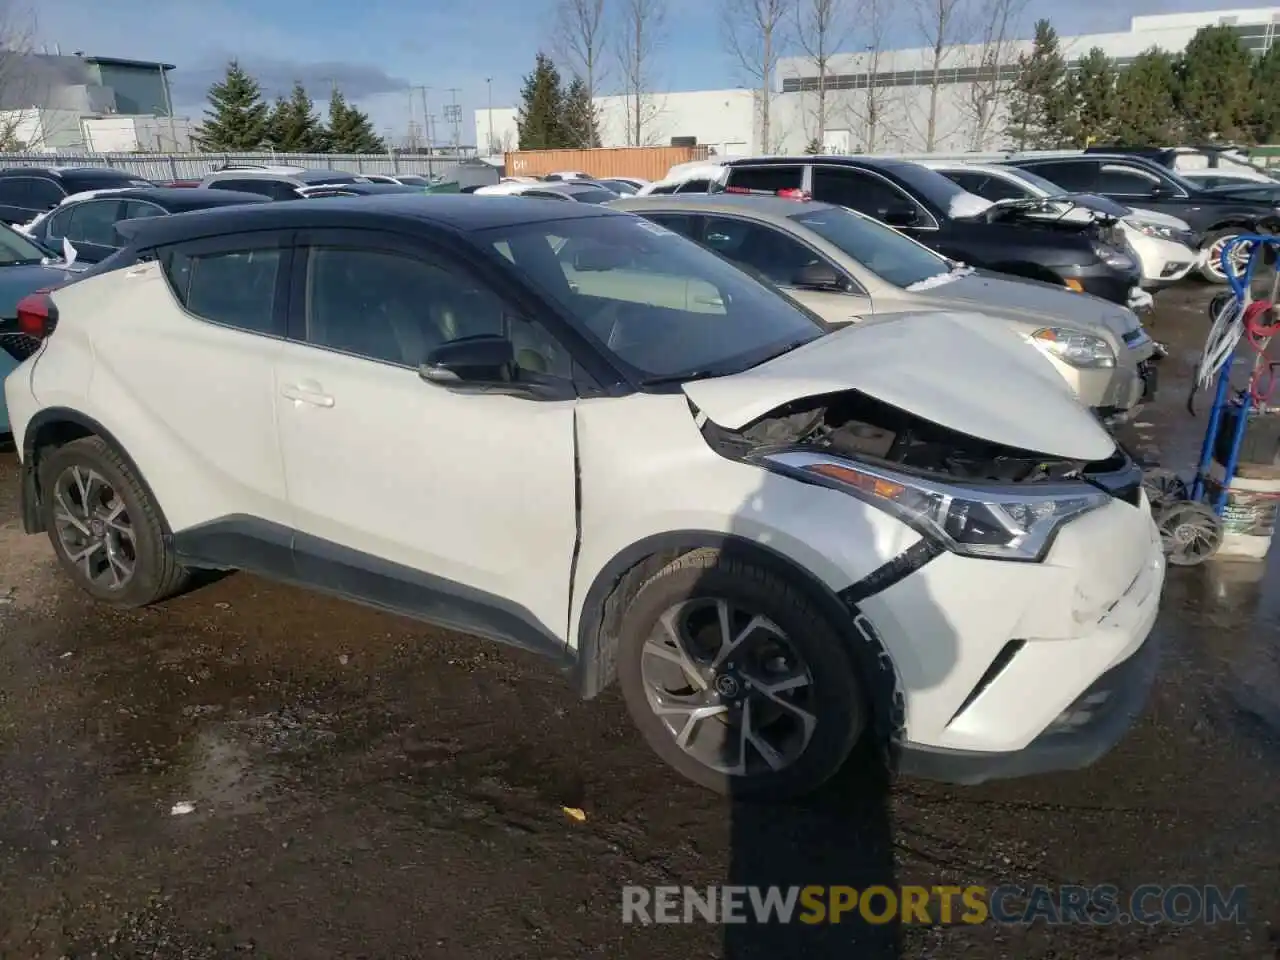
{"points": [[928, 207], [27, 192], [1138, 182]]}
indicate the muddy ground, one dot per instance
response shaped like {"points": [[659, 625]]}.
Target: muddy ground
{"points": [[364, 786]]}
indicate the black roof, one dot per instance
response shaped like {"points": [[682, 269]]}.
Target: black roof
{"points": [[71, 173], [176, 199], [460, 212]]}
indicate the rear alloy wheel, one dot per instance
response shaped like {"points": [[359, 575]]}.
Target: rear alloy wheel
{"points": [[737, 681], [104, 528], [1211, 268]]}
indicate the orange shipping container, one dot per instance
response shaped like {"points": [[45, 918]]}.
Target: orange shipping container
{"points": [[649, 163]]}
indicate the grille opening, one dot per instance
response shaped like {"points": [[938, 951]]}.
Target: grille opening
{"points": [[18, 345]]}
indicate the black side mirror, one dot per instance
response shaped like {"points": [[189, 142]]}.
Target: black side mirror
{"points": [[485, 359], [903, 216], [817, 276], [1161, 190]]}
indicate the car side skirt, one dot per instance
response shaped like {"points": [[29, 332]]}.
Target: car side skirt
{"points": [[277, 552]]}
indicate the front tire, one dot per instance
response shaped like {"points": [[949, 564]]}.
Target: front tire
{"points": [[104, 526], [1211, 269], [737, 680]]}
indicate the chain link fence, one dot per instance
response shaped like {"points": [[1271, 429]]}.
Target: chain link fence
{"points": [[192, 166]]}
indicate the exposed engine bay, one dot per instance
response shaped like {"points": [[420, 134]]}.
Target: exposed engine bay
{"points": [[854, 425]]}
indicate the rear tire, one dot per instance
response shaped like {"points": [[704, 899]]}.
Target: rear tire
{"points": [[711, 645], [105, 528]]}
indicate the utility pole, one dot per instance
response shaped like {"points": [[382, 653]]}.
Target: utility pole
{"points": [[488, 82], [455, 117], [426, 123]]}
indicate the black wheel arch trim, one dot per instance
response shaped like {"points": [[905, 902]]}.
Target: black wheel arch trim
{"points": [[32, 521], [595, 666]]}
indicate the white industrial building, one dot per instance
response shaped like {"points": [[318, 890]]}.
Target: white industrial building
{"points": [[720, 119], [880, 103]]}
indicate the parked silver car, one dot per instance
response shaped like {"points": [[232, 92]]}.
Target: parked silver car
{"points": [[847, 267]]}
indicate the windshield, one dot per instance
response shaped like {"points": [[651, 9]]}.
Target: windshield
{"points": [[594, 196], [930, 184], [15, 249], [888, 254], [1249, 191], [104, 180], [1050, 188], [662, 305], [411, 181]]}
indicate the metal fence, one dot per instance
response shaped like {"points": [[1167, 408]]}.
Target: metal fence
{"points": [[190, 166]]}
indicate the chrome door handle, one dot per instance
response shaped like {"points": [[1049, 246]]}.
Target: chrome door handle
{"points": [[302, 394], [709, 301]]}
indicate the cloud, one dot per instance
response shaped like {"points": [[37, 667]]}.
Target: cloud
{"points": [[277, 77]]}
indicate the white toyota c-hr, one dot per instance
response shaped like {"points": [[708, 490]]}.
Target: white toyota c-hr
{"points": [[486, 414]]}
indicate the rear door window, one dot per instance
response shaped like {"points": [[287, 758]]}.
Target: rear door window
{"points": [[94, 221], [766, 251], [773, 177], [1073, 176], [235, 287]]}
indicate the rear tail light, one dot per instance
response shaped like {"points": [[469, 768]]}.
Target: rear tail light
{"points": [[793, 193], [37, 316]]}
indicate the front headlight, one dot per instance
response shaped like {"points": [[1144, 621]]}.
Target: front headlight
{"points": [[1078, 349], [995, 522], [1113, 257], [1157, 230]]}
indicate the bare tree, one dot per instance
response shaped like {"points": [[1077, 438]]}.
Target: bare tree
{"points": [[995, 58], [822, 28], [24, 92], [640, 35], [581, 41], [941, 24], [870, 105], [753, 35]]}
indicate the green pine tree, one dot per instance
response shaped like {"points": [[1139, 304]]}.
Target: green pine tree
{"points": [[1266, 97], [293, 126], [1146, 113], [540, 117], [1038, 102], [236, 118], [1215, 86], [1091, 92], [580, 121], [350, 130]]}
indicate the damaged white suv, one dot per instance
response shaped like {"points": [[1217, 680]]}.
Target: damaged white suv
{"points": [[487, 415]]}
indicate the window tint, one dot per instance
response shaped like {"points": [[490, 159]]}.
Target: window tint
{"points": [[682, 223], [275, 189], [1071, 176], [56, 226], [14, 191], [542, 195], [859, 190], [236, 288], [694, 186], [772, 178], [44, 194], [768, 252], [594, 196], [1126, 181], [988, 187], [135, 209], [397, 308], [664, 189], [94, 221]]}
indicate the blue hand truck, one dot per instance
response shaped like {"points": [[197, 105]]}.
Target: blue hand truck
{"points": [[1190, 516]]}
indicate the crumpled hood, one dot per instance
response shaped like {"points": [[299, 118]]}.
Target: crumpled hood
{"points": [[1032, 301], [959, 370]]}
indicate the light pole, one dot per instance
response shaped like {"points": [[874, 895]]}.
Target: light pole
{"points": [[488, 81]]}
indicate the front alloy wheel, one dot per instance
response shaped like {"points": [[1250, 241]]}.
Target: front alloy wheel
{"points": [[738, 679], [1239, 259], [731, 690]]}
